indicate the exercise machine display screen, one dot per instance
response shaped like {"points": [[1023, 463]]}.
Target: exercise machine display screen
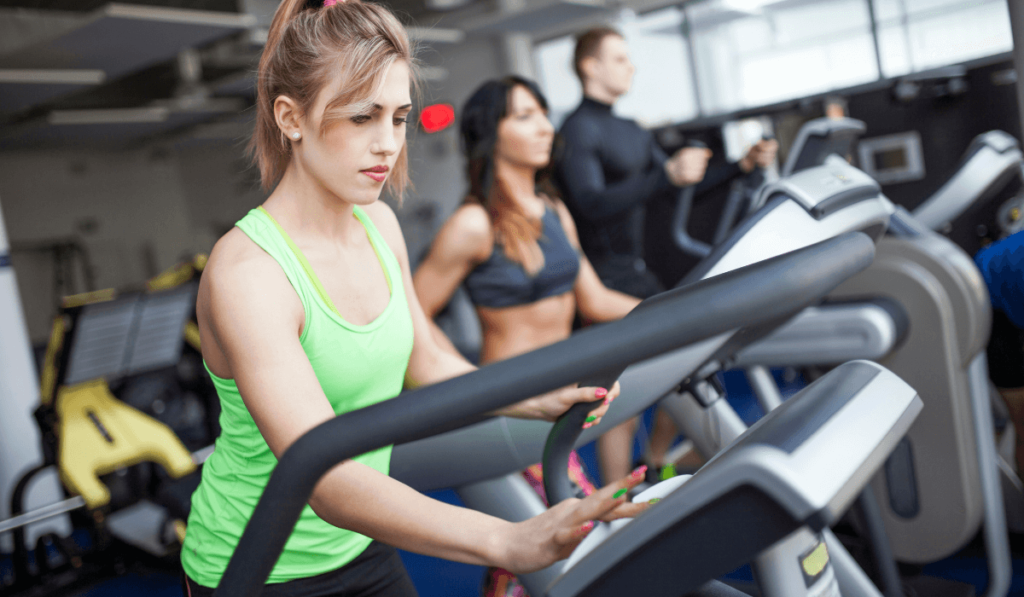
{"points": [[890, 159], [893, 158]]}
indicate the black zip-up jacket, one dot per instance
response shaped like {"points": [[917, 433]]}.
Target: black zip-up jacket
{"points": [[609, 169]]}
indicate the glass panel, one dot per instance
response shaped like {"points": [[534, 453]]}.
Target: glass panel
{"points": [[662, 90], [767, 52], [557, 78], [915, 35], [894, 46]]}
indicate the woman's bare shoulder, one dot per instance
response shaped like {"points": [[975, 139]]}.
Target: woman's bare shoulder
{"points": [[235, 252], [473, 219], [239, 270]]}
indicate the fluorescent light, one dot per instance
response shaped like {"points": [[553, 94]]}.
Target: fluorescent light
{"points": [[748, 6], [113, 116], [433, 73], [436, 34], [52, 76], [207, 18]]}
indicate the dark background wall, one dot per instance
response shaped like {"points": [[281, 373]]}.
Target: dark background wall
{"points": [[946, 122]]}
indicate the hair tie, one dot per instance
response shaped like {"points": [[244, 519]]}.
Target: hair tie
{"points": [[318, 4]]}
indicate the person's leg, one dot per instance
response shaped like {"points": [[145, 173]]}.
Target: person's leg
{"points": [[386, 575], [1005, 353], [615, 451], [377, 572], [615, 448], [661, 437], [1014, 399], [189, 588]]}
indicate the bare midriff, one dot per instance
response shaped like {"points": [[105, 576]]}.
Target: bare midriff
{"points": [[510, 331]]}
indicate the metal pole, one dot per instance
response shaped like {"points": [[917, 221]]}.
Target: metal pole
{"points": [[516, 46], [997, 541], [42, 513], [874, 36], [691, 51], [19, 394], [765, 388], [1016, 8]]}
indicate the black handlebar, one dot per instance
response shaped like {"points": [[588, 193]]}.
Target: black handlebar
{"points": [[562, 438], [681, 221], [563, 435], [750, 295]]}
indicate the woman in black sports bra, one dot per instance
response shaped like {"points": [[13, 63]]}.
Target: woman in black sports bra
{"points": [[514, 246], [511, 243]]}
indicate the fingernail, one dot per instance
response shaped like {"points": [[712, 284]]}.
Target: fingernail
{"points": [[588, 425], [639, 472], [619, 493], [653, 501], [586, 528], [591, 419], [607, 402], [600, 393]]}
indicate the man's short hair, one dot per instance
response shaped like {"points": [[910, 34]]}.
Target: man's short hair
{"points": [[588, 44]]}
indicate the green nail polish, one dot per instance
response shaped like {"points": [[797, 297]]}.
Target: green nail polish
{"points": [[654, 501], [591, 419], [619, 493]]}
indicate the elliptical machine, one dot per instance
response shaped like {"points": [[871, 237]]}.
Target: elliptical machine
{"points": [[921, 309], [786, 474]]}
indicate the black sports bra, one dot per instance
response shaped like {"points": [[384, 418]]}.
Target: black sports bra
{"points": [[500, 282]]}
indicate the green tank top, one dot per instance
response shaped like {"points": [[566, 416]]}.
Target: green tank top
{"points": [[357, 365]]}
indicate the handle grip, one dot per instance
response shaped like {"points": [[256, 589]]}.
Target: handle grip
{"points": [[681, 221], [561, 440]]}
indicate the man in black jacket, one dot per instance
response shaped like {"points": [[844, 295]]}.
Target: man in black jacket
{"points": [[609, 169]]}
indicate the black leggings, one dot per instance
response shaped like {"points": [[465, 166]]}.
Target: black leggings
{"points": [[377, 572], [1005, 352]]}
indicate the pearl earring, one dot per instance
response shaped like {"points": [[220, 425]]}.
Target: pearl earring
{"points": [[296, 136]]}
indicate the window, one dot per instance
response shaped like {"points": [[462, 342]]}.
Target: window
{"points": [[557, 78], [662, 90], [915, 35], [750, 53], [756, 52]]}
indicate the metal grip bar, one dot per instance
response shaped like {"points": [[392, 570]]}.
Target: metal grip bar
{"points": [[681, 221], [760, 292]]}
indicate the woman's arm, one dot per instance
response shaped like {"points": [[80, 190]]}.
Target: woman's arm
{"points": [[465, 240], [595, 301], [251, 318], [430, 363], [283, 396]]}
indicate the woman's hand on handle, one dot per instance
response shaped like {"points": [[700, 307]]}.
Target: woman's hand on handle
{"points": [[540, 541], [550, 406]]}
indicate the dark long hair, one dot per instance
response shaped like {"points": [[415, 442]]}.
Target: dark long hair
{"points": [[481, 115]]}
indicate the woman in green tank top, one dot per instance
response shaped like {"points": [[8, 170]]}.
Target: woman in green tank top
{"points": [[304, 314]]}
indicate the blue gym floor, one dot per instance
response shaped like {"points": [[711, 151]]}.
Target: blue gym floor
{"points": [[440, 578]]}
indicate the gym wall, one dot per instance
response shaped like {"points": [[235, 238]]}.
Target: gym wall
{"points": [[136, 213], [140, 211]]}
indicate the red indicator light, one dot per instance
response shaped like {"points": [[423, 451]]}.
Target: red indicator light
{"points": [[437, 117]]}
